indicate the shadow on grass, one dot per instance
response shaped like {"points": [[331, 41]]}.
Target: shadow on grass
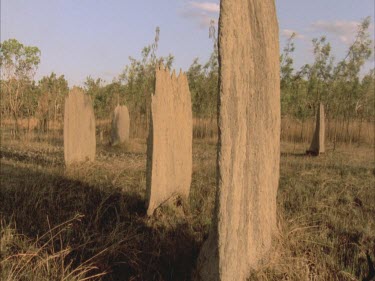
{"points": [[293, 154], [134, 247], [54, 138], [116, 151], [54, 159], [57, 158]]}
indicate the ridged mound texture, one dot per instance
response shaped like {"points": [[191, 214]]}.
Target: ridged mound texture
{"points": [[317, 145], [79, 128], [169, 150], [249, 142], [120, 125]]}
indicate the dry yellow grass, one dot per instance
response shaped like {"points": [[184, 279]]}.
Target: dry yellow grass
{"points": [[325, 206], [22, 258], [357, 132], [205, 128]]}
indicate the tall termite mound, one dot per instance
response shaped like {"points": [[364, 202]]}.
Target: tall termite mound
{"points": [[79, 128], [317, 145], [249, 142], [120, 125], [169, 149]]}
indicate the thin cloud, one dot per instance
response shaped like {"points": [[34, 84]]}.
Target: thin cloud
{"points": [[203, 20], [344, 30], [201, 12], [289, 32], [206, 6]]}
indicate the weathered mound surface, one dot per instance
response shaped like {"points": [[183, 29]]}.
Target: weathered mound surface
{"points": [[249, 141], [317, 145], [169, 146], [120, 125], [79, 128]]}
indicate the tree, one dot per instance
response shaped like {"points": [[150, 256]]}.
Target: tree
{"points": [[204, 79], [348, 70], [365, 105], [338, 86], [53, 90], [30, 103], [319, 74], [104, 97], [19, 64], [139, 78], [349, 97], [286, 76], [286, 62], [94, 88]]}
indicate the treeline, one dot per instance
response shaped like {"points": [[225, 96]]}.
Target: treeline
{"points": [[23, 98], [346, 95]]}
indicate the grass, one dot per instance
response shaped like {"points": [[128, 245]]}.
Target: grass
{"points": [[293, 130], [90, 219], [327, 209], [25, 259]]}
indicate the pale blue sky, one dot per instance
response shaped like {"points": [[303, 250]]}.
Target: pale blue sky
{"points": [[79, 38]]}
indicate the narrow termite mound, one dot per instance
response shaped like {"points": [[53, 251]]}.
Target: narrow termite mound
{"points": [[317, 145], [120, 125], [169, 145], [79, 128], [249, 142]]}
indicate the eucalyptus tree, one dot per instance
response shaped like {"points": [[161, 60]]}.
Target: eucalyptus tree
{"points": [[319, 74], [365, 106], [52, 90], [204, 79], [105, 97], [286, 62], [18, 66], [94, 88], [138, 78], [286, 76], [348, 94]]}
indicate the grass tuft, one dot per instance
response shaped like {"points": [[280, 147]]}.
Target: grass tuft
{"points": [[86, 220]]}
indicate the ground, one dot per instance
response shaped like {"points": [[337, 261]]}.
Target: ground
{"points": [[95, 213]]}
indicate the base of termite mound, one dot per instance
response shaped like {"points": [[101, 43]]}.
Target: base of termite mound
{"points": [[175, 205], [312, 153]]}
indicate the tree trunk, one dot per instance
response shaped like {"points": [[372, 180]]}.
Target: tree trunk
{"points": [[334, 135], [347, 134], [16, 126], [360, 130], [301, 134]]}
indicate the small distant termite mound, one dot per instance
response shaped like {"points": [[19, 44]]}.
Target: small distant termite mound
{"points": [[317, 145], [120, 125], [169, 143], [79, 128]]}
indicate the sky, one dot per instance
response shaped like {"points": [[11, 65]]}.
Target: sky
{"points": [[81, 38]]}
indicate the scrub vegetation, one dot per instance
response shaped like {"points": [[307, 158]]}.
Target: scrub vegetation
{"points": [[88, 222]]}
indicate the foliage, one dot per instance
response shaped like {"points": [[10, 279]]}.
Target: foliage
{"points": [[347, 82], [97, 214], [25, 259], [138, 78], [52, 90], [18, 61], [203, 81], [18, 65], [337, 86], [346, 92]]}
